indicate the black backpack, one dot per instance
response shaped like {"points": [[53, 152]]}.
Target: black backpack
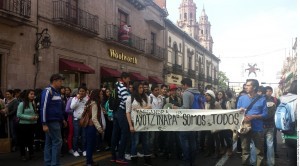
{"points": [[113, 100]]}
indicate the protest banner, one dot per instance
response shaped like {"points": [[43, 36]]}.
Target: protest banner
{"points": [[185, 119]]}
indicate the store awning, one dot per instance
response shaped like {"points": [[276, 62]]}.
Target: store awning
{"points": [[137, 77], [154, 79], [109, 72], [65, 64]]}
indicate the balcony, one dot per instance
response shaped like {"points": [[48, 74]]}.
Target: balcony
{"points": [[116, 35], [201, 77], [72, 17], [155, 51], [15, 11], [191, 73], [177, 69], [209, 79]]}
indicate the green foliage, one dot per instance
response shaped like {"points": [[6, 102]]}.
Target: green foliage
{"points": [[223, 80]]}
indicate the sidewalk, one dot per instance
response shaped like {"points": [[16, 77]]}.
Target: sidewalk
{"points": [[13, 159]]}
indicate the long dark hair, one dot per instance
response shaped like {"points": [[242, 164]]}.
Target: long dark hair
{"points": [[138, 97], [95, 96], [26, 99]]}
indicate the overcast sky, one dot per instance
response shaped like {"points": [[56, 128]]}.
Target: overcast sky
{"points": [[248, 31]]}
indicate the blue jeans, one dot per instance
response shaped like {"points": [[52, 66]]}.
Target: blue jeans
{"points": [[53, 144], [188, 146], [78, 131], [91, 135], [135, 141], [120, 133], [269, 146]]}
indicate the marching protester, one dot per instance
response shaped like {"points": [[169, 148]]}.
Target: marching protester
{"points": [[27, 114], [291, 139], [120, 125], [52, 116], [213, 139], [172, 142], [70, 111], [225, 135], [138, 100], [78, 104], [255, 108], [157, 102], [108, 118], [11, 106], [188, 138], [93, 108]]}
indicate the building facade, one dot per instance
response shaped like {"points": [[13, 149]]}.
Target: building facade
{"points": [[90, 41], [186, 57], [200, 31]]}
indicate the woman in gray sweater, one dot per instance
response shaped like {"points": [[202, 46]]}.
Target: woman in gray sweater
{"points": [[28, 116]]}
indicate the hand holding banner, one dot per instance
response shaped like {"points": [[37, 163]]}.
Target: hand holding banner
{"points": [[185, 119]]}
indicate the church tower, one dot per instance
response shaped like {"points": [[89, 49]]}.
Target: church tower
{"points": [[187, 19], [205, 38]]}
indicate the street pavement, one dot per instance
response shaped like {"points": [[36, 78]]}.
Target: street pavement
{"points": [[103, 159]]}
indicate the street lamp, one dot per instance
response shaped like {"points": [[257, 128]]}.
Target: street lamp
{"points": [[43, 39]]}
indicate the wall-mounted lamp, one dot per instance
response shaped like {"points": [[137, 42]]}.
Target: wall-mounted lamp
{"points": [[43, 39]]}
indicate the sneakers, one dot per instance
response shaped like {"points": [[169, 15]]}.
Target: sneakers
{"points": [[76, 154], [71, 151], [121, 161], [140, 154], [84, 153], [127, 157]]}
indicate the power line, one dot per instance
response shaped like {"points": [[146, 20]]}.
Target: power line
{"points": [[255, 55]]}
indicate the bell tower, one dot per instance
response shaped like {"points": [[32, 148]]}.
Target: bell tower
{"points": [[205, 38], [187, 18]]}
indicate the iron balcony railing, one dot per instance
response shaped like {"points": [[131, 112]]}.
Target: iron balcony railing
{"points": [[201, 77], [19, 7], [191, 73], [177, 69], [114, 33], [216, 81], [65, 13], [155, 50], [209, 79]]}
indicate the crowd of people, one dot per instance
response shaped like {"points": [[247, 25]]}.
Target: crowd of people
{"points": [[49, 120]]}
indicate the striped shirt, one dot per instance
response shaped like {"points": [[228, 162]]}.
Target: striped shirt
{"points": [[122, 95]]}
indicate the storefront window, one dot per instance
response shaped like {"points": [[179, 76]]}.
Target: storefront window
{"points": [[72, 80]]}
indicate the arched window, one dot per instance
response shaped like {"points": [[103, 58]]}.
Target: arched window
{"points": [[185, 16], [191, 16], [170, 41], [179, 47]]}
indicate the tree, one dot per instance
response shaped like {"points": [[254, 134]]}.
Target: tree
{"points": [[223, 80]]}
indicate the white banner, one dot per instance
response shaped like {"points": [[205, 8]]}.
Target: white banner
{"points": [[185, 119]]}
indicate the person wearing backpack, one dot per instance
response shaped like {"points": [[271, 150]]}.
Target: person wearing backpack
{"points": [[120, 125], [291, 138], [188, 138], [255, 114], [52, 116]]}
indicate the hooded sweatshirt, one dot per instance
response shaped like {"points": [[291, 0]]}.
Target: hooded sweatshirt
{"points": [[188, 98]]}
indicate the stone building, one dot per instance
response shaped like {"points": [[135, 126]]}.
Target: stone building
{"points": [[88, 41], [186, 57], [189, 48], [200, 31]]}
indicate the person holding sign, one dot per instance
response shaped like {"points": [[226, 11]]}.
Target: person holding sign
{"points": [[188, 138], [138, 100], [255, 115], [213, 136]]}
